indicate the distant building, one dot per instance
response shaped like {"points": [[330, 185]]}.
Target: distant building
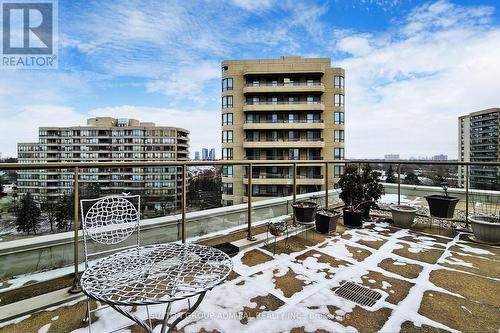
{"points": [[391, 157], [207, 155], [106, 139], [196, 155], [440, 157], [204, 154], [478, 135]]}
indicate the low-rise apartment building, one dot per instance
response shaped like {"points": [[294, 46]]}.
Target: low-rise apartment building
{"points": [[106, 139]]}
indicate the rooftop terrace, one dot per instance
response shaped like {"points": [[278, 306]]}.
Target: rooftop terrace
{"points": [[428, 282]]}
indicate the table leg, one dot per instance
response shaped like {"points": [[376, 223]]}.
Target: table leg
{"points": [[182, 317], [129, 315]]}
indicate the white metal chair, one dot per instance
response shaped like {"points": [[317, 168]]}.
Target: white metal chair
{"points": [[109, 221]]}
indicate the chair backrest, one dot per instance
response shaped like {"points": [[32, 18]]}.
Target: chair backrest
{"points": [[110, 220]]}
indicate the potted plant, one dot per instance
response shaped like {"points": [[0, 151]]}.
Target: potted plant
{"points": [[326, 220], [352, 195], [372, 190], [403, 215], [305, 211], [442, 205], [485, 220], [277, 228], [486, 228]]}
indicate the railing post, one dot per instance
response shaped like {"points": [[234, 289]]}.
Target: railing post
{"points": [[183, 220], [326, 185], [249, 208], [399, 183], [76, 279], [467, 196]]}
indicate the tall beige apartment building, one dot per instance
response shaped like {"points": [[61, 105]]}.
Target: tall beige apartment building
{"points": [[107, 139], [291, 108]]}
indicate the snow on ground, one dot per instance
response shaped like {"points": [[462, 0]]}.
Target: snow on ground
{"points": [[309, 306]]}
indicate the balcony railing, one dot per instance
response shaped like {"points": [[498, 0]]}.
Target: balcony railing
{"points": [[281, 84], [280, 102], [284, 121], [284, 158], [285, 140], [183, 165]]}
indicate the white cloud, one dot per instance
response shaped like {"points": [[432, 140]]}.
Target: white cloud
{"points": [[253, 5], [188, 82], [22, 126], [355, 45], [405, 95]]}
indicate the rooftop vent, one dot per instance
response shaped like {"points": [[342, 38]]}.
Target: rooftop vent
{"points": [[358, 294]]}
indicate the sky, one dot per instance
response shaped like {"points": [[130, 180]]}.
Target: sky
{"points": [[412, 67]]}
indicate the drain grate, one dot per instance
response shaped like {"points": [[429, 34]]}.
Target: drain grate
{"points": [[358, 294]]}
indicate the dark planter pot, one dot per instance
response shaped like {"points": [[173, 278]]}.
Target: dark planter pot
{"points": [[441, 206], [305, 211], [366, 212], [326, 221], [353, 219]]}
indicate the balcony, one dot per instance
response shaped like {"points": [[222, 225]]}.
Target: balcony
{"points": [[283, 158], [284, 125], [426, 274], [287, 143], [284, 106], [295, 87]]}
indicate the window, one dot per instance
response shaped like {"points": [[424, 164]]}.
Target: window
{"points": [[227, 119], [338, 118], [338, 82], [338, 154], [339, 135], [339, 100], [293, 154], [227, 153], [227, 171], [227, 84], [338, 170], [227, 102], [226, 203], [227, 136], [227, 188]]}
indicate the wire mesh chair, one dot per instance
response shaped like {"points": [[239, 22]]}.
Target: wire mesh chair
{"points": [[109, 221]]}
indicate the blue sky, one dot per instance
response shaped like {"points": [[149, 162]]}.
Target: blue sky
{"points": [[412, 67]]}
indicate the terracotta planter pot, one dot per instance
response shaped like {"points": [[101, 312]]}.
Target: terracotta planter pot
{"points": [[441, 206], [305, 211], [353, 219], [326, 220], [486, 229], [403, 215]]}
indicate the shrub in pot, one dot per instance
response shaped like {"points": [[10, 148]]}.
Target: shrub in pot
{"points": [[372, 189], [442, 205], [326, 220], [359, 193], [403, 215], [305, 211], [352, 195]]}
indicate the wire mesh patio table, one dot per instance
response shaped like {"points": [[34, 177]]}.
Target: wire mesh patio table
{"points": [[156, 274]]}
